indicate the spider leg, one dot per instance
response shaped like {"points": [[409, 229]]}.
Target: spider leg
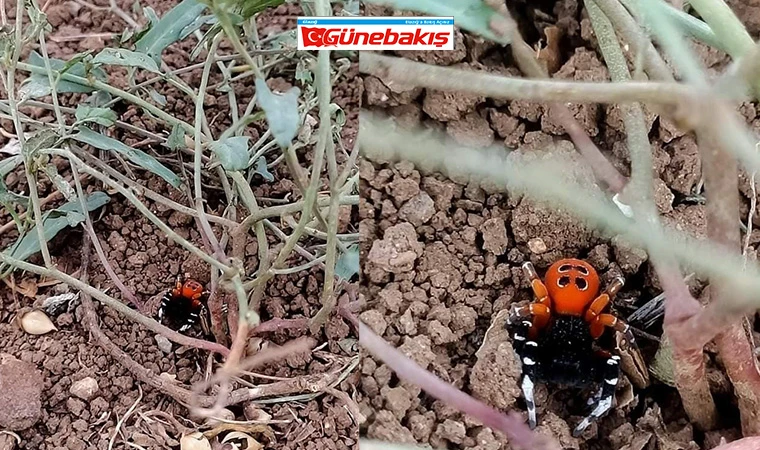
{"points": [[610, 374], [192, 319], [527, 351], [165, 300], [603, 300]]}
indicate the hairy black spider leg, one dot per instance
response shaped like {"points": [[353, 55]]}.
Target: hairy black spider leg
{"points": [[610, 373], [165, 300], [191, 320]]}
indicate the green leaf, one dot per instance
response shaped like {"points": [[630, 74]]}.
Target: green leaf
{"points": [[101, 116], [196, 25], [99, 99], [281, 110], [124, 57], [38, 84], [170, 28], [351, 7], [286, 40], [248, 8], [44, 138], [8, 164], [158, 98], [138, 157], [151, 15], [470, 15], [232, 152], [662, 366], [176, 138], [207, 38], [348, 264], [78, 58], [304, 75], [70, 214], [74, 218], [8, 198], [340, 115], [263, 170]]}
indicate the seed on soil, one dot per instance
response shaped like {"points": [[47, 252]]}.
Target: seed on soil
{"points": [[194, 441], [36, 322]]}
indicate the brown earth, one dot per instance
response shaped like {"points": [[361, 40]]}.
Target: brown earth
{"points": [[441, 260], [148, 263]]}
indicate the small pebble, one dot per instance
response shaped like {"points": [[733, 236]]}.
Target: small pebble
{"points": [[86, 388], [163, 344]]}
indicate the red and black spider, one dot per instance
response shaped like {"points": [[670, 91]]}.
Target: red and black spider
{"points": [[183, 304], [558, 336]]}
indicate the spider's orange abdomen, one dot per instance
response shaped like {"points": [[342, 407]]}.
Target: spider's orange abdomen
{"points": [[572, 285]]}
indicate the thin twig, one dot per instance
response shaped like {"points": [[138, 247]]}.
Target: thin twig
{"points": [[125, 292], [410, 73]]}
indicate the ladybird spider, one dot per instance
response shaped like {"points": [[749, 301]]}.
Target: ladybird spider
{"points": [[556, 337], [183, 303]]}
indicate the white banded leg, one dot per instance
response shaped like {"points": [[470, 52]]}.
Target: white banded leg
{"points": [[162, 307], [192, 319], [529, 358], [611, 374], [527, 350]]}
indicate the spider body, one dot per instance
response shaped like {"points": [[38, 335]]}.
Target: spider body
{"points": [[183, 304], [557, 337]]}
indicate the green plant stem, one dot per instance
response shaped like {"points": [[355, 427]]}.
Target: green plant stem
{"points": [[99, 85], [321, 234], [640, 183], [688, 24], [249, 199], [72, 111], [726, 26], [349, 167], [624, 24], [29, 169], [302, 267], [90, 230], [291, 208], [114, 304], [409, 73], [51, 78], [198, 153], [291, 159], [324, 94], [232, 35]]}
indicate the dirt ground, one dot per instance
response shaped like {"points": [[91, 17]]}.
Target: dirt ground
{"points": [[79, 415], [441, 260]]}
